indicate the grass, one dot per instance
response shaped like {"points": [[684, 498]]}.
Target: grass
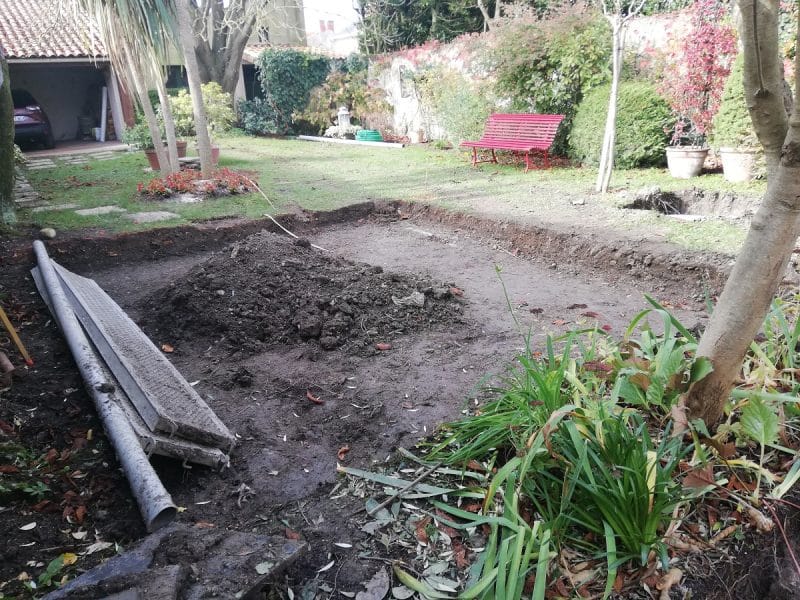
{"points": [[319, 176]]}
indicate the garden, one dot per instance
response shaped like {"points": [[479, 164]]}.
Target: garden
{"points": [[446, 381]]}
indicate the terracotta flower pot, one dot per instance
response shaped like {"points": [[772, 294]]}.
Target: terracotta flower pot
{"points": [[738, 164], [152, 157], [685, 162]]}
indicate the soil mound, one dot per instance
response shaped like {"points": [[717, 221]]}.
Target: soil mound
{"points": [[270, 289]]}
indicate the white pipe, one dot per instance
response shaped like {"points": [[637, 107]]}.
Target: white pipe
{"points": [[103, 113], [316, 138], [153, 499]]}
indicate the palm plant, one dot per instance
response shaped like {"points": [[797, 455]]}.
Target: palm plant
{"points": [[138, 37]]}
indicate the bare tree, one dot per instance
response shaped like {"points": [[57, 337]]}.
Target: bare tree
{"points": [[618, 13], [185, 17], [775, 227]]}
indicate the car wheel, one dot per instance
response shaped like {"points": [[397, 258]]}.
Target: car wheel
{"points": [[49, 142]]}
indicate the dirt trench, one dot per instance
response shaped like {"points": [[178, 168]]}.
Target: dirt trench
{"points": [[298, 403]]}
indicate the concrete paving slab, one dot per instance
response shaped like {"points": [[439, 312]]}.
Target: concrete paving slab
{"points": [[47, 207], [100, 210], [162, 397], [152, 216]]}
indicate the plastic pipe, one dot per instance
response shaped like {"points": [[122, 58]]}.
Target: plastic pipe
{"points": [[154, 501]]}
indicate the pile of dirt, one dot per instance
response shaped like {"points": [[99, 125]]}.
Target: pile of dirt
{"points": [[270, 289]]}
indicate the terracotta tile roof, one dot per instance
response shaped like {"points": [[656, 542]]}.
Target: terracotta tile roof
{"points": [[39, 29]]}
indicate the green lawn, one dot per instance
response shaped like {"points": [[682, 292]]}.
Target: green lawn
{"points": [[320, 176]]}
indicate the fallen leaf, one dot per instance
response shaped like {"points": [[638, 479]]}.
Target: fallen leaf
{"points": [[762, 522], [97, 547], [671, 578], [535, 310], [559, 322], [28, 526], [376, 588], [68, 558], [606, 328], [342, 451], [167, 348], [619, 583], [572, 306], [383, 346], [204, 525], [697, 479], [80, 514], [456, 291], [263, 568], [79, 535], [51, 456], [343, 544], [313, 398], [590, 314], [678, 415], [291, 535], [401, 592], [8, 469], [326, 567], [460, 554], [419, 529]]}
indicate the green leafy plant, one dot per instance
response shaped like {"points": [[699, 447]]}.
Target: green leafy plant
{"points": [[138, 136], [653, 370], [457, 105], [257, 117], [287, 77], [733, 127], [218, 105], [624, 479], [642, 118], [548, 66]]}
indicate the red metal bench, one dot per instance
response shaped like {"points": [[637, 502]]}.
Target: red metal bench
{"points": [[521, 133]]}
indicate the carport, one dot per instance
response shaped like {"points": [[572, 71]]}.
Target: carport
{"points": [[60, 61]]}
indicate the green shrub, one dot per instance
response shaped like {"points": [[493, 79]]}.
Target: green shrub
{"points": [[548, 66], [458, 105], [219, 111], [642, 119], [257, 117], [287, 77], [733, 127]]}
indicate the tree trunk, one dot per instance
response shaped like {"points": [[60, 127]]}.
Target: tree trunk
{"points": [[7, 214], [609, 137], [169, 128], [186, 36], [774, 230], [150, 117]]}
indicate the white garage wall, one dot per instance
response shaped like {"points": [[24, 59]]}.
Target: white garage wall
{"points": [[62, 90]]}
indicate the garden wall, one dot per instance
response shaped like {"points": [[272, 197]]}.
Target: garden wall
{"points": [[398, 73]]}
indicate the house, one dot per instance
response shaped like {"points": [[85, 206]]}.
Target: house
{"points": [[58, 58]]}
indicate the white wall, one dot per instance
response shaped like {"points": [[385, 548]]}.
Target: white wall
{"points": [[62, 90]]}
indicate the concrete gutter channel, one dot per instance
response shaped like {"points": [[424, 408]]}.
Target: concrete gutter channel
{"points": [[147, 407]]}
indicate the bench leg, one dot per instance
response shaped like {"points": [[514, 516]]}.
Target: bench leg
{"points": [[474, 156], [546, 159], [527, 161], [494, 156]]}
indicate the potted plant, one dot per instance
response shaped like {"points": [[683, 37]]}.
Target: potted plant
{"points": [[693, 81], [138, 136], [688, 152], [734, 135], [219, 113]]}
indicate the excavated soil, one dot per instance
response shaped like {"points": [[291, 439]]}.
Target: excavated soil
{"points": [[281, 340]]}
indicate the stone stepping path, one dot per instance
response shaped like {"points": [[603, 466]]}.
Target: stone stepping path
{"points": [[100, 210], [24, 194], [151, 216], [36, 164], [49, 207]]}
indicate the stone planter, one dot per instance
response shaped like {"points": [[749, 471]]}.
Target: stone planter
{"points": [[685, 162], [738, 164]]}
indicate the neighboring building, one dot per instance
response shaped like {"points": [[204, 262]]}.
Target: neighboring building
{"points": [[59, 59], [332, 26]]}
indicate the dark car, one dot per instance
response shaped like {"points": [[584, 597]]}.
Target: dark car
{"points": [[30, 121]]}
